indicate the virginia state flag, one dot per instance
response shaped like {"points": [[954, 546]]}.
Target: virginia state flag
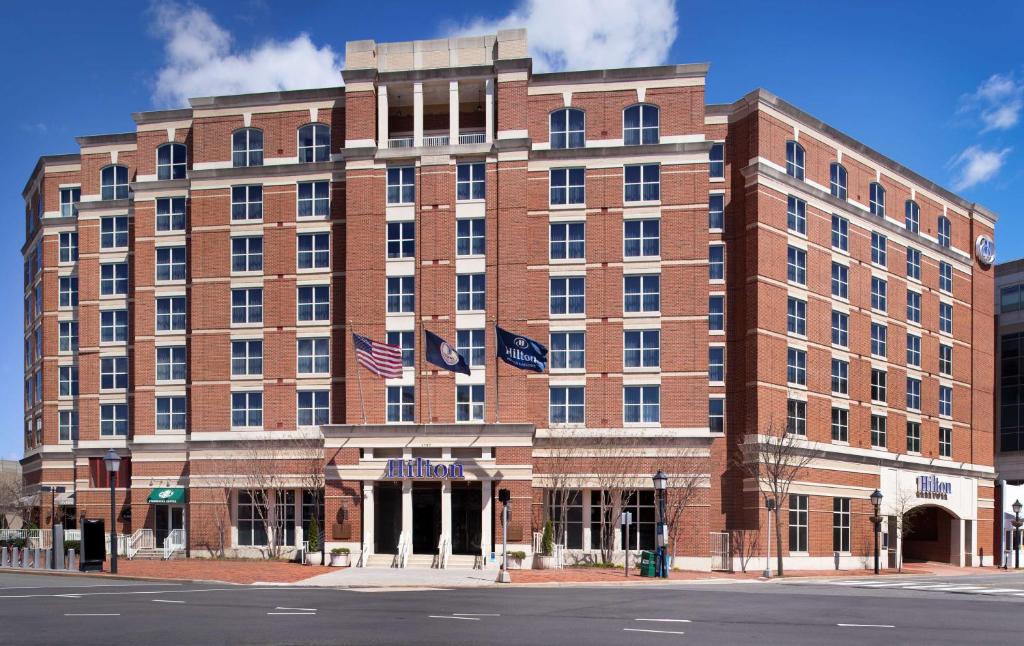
{"points": [[443, 355], [520, 351]]}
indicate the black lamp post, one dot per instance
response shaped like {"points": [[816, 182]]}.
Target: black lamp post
{"points": [[876, 501], [1016, 522], [113, 462], [53, 491], [660, 488]]}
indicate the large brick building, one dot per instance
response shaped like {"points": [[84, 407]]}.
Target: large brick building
{"points": [[704, 276]]}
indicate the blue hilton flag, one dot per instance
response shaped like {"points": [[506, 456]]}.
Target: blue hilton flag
{"points": [[441, 354], [520, 351]]}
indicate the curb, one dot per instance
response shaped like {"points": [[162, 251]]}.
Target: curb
{"points": [[114, 577]]}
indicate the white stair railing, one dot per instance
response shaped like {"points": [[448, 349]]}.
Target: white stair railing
{"points": [[403, 549], [140, 539], [174, 542], [442, 552], [361, 562]]}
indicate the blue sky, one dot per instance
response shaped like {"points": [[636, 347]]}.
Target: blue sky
{"points": [[937, 86]]}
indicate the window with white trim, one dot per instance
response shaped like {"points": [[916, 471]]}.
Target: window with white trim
{"points": [[913, 263], [401, 184], [170, 214], [314, 355], [640, 125], [114, 279], [879, 385], [945, 442], [879, 339], [913, 350], [567, 128], [641, 293], [568, 350], [565, 405], [837, 180], [470, 180], [68, 426], [567, 240], [913, 437], [469, 403], [797, 522], [840, 377], [170, 313], [878, 432], [247, 358], [794, 160], [470, 292], [247, 147], [796, 417], [401, 403], [247, 409], [879, 294], [114, 183], [68, 336], [796, 366], [716, 262], [641, 182], [170, 263], [716, 313], [945, 277], [113, 373], [913, 307], [67, 289], [313, 199], [840, 280], [171, 414], [69, 199], [114, 420], [796, 215], [912, 216], [716, 414], [404, 340], [113, 326], [796, 316], [945, 359], [840, 425], [879, 249], [68, 246], [314, 251], [841, 524], [401, 294], [641, 404], [401, 239], [716, 364], [314, 143], [314, 302], [877, 199], [716, 211], [567, 295], [641, 348], [796, 265], [943, 235], [945, 401], [171, 161], [114, 232], [913, 393], [67, 381], [568, 185], [247, 202], [840, 329], [171, 363], [470, 344], [716, 161], [840, 233], [247, 305], [470, 237], [312, 407], [946, 318]]}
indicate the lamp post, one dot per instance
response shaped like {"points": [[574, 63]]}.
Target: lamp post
{"points": [[504, 497], [1016, 522], [660, 489], [769, 504], [876, 501], [113, 462], [53, 491]]}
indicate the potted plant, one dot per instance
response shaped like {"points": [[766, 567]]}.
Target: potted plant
{"points": [[515, 559], [546, 559], [313, 556], [340, 557]]}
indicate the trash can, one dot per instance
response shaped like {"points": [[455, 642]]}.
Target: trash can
{"points": [[648, 563]]}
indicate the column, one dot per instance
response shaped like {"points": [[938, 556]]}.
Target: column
{"points": [[586, 519], [407, 511], [487, 497], [453, 113], [368, 517], [382, 116], [489, 111], [446, 512], [417, 114], [297, 510], [956, 541]]}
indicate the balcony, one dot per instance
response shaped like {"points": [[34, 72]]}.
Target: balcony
{"points": [[437, 140], [435, 114]]}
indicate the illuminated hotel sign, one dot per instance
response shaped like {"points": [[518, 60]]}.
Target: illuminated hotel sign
{"points": [[932, 487], [422, 468]]}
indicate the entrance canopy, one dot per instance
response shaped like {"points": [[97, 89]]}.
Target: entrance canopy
{"points": [[167, 496]]}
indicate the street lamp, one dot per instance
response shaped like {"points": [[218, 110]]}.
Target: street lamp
{"points": [[53, 491], [769, 504], [876, 501], [660, 487], [1016, 522], [113, 462]]}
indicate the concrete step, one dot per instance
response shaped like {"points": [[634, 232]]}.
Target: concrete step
{"points": [[380, 560], [463, 561], [420, 560]]}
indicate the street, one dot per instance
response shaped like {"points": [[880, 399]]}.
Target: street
{"points": [[54, 609]]}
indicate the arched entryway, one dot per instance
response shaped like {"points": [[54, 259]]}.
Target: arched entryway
{"points": [[930, 536]]}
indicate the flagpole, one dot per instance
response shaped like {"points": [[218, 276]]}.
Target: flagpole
{"points": [[359, 373]]}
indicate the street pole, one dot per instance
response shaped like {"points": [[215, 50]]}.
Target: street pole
{"points": [[504, 497], [53, 527], [878, 528], [113, 526], [769, 504]]}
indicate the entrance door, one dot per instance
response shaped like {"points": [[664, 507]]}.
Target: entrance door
{"points": [[387, 516], [168, 517], [426, 517], [467, 501]]}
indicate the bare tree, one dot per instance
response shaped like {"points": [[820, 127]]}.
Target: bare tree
{"points": [[774, 459], [14, 507], [904, 510], [679, 494], [744, 543], [619, 464], [562, 483]]}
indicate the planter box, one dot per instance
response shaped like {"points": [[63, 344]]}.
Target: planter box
{"points": [[514, 563], [543, 562], [314, 558], [340, 560]]}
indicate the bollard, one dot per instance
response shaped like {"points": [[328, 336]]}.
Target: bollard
{"points": [[37, 559], [15, 557], [49, 559], [72, 560], [3, 556]]}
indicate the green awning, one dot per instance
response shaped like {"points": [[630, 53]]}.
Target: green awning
{"points": [[167, 496]]}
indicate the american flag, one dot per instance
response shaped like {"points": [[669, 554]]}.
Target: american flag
{"points": [[379, 358]]}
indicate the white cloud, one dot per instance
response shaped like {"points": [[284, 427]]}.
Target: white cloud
{"points": [[998, 102], [976, 165], [203, 60], [588, 34]]}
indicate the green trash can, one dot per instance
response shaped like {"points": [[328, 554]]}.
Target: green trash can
{"points": [[648, 563]]}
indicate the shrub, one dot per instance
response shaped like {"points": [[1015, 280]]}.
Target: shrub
{"points": [[547, 542], [517, 555], [314, 535], [341, 550], [73, 545]]}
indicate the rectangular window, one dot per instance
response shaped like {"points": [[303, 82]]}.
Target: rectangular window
{"points": [[945, 359], [641, 404], [945, 401], [247, 305], [247, 409], [641, 348], [170, 263], [716, 313], [567, 185], [404, 340], [796, 316], [114, 232], [913, 437], [69, 199], [797, 523], [796, 266], [840, 233], [642, 182], [565, 405], [470, 344], [716, 262], [314, 251], [716, 212], [946, 318], [171, 363], [469, 403], [67, 337], [247, 202], [170, 214], [840, 524], [401, 185], [247, 254], [913, 263], [247, 358], [314, 355], [312, 407], [568, 350], [469, 181], [716, 161], [67, 381], [796, 417], [840, 329], [879, 294], [913, 393], [796, 215], [469, 237], [114, 420], [716, 364], [567, 240], [840, 425], [68, 426], [840, 280], [170, 414], [402, 239], [879, 249], [113, 373], [840, 377], [567, 295], [252, 512], [470, 292], [314, 303], [913, 350], [716, 415], [879, 340], [401, 296], [796, 366], [945, 277], [113, 326], [837, 180], [1010, 299], [170, 313], [945, 442], [401, 406], [878, 432], [68, 246], [641, 293], [314, 199], [114, 279], [641, 238], [878, 385], [913, 307]]}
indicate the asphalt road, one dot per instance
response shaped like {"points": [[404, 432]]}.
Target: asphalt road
{"points": [[73, 610]]}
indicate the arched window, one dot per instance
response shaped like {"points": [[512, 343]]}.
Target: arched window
{"points": [[877, 198], [567, 128], [837, 180], [170, 161], [114, 183], [247, 147], [314, 143], [794, 159], [943, 235], [912, 216], [640, 125]]}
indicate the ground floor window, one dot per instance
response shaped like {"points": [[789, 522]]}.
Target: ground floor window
{"points": [[252, 530], [797, 523], [565, 509], [642, 531], [840, 524]]}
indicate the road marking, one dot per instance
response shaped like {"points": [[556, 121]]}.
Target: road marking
{"points": [[70, 596], [648, 630], [291, 613], [453, 617], [96, 585], [305, 609], [475, 614], [939, 586], [166, 601], [678, 621], [92, 614], [1000, 590], [866, 625], [964, 588]]}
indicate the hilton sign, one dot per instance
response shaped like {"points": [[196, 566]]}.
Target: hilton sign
{"points": [[422, 468], [932, 487]]}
